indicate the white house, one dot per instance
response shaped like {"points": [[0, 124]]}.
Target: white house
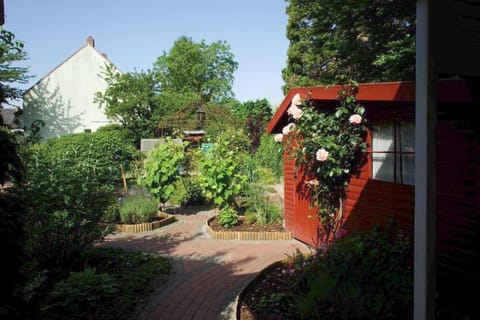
{"points": [[64, 98]]}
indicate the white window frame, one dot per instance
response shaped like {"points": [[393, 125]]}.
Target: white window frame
{"points": [[400, 172]]}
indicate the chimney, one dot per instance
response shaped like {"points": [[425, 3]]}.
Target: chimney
{"points": [[90, 41]]}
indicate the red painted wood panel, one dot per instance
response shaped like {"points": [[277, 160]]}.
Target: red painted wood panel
{"points": [[458, 192], [289, 194]]}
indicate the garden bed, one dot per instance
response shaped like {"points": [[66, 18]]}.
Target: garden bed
{"points": [[162, 220], [269, 281], [243, 231]]}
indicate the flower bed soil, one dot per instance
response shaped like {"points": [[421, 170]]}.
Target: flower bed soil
{"points": [[242, 226], [253, 302]]}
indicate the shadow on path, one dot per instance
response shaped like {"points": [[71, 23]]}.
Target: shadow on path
{"points": [[207, 275]]}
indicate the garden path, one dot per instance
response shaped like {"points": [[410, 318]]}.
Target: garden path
{"points": [[207, 275]]}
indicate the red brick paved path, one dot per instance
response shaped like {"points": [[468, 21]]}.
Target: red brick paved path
{"points": [[207, 274]]}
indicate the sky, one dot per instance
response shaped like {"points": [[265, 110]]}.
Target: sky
{"points": [[134, 33]]}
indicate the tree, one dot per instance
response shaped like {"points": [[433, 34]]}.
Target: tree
{"points": [[253, 108], [131, 99], [256, 114], [334, 41], [196, 72], [191, 74], [11, 51]]}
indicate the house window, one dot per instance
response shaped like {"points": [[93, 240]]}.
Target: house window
{"points": [[393, 152]]}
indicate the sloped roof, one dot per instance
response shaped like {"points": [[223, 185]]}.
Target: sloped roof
{"points": [[87, 44], [400, 91]]}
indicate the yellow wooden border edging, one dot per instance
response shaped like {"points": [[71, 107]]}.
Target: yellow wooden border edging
{"points": [[246, 235], [149, 226]]}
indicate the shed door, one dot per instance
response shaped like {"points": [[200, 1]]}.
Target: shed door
{"points": [[299, 219], [306, 220]]}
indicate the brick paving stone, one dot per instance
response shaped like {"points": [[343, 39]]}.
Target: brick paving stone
{"points": [[207, 275]]}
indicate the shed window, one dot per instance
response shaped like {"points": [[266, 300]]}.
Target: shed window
{"points": [[393, 152]]}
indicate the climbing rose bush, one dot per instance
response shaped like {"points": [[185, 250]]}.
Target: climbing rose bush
{"points": [[329, 147]]}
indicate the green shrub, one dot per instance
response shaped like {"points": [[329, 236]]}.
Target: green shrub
{"points": [[84, 295], [188, 192], [221, 178], [250, 217], [269, 155], [109, 287], [256, 203], [102, 151], [69, 184], [161, 170], [138, 209], [56, 239], [265, 165], [111, 213], [194, 195], [360, 277], [119, 131], [228, 217], [122, 263]]}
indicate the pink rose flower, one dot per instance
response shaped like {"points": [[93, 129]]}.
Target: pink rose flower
{"points": [[355, 119], [279, 137], [297, 113], [286, 130], [296, 100], [291, 109], [322, 155]]}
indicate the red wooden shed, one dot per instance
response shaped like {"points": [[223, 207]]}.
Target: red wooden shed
{"points": [[383, 194]]}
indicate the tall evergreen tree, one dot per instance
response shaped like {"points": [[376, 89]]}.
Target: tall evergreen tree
{"points": [[333, 41]]}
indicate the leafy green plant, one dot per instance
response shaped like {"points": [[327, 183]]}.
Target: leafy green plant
{"points": [[107, 284], [363, 276], [250, 217], [138, 209], [111, 213], [228, 217], [56, 239], [85, 294], [161, 170], [102, 151], [256, 204], [269, 159], [112, 284], [69, 184], [276, 302], [221, 178]]}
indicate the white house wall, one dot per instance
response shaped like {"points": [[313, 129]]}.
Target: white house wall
{"points": [[64, 98]]}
